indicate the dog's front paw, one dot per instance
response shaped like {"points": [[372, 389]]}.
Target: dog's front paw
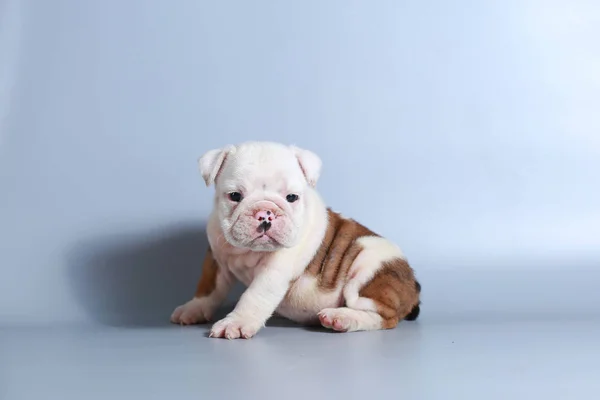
{"points": [[195, 311], [235, 327]]}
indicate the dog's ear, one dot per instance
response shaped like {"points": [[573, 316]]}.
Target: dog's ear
{"points": [[310, 163], [211, 163]]}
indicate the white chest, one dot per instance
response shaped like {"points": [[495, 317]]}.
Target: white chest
{"points": [[243, 266]]}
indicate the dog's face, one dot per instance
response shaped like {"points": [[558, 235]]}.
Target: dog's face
{"points": [[260, 192]]}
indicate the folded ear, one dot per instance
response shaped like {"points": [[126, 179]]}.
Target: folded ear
{"points": [[211, 163], [310, 164]]}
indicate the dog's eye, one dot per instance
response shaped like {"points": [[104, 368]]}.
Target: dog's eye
{"points": [[291, 198], [235, 196]]}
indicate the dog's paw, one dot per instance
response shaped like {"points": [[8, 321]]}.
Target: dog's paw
{"points": [[195, 311], [234, 327], [338, 319]]}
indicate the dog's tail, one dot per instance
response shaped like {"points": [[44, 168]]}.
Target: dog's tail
{"points": [[416, 310], [414, 313]]}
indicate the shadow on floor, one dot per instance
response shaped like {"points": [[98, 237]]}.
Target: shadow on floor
{"points": [[138, 279]]}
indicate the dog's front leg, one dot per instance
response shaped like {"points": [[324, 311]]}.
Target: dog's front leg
{"points": [[256, 305]]}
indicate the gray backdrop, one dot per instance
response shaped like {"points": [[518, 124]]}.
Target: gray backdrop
{"points": [[467, 131]]}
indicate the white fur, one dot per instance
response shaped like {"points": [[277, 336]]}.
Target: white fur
{"points": [[346, 319], [210, 163], [310, 164], [376, 251], [305, 299]]}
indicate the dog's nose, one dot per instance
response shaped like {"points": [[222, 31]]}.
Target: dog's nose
{"points": [[264, 226], [264, 216]]}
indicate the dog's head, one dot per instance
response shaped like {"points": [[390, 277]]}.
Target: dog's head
{"points": [[260, 190]]}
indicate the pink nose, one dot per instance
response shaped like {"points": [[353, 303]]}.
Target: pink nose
{"points": [[264, 215]]}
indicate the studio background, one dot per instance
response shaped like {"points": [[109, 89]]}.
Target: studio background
{"points": [[466, 131]]}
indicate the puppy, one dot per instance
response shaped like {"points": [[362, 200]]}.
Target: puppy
{"points": [[270, 229]]}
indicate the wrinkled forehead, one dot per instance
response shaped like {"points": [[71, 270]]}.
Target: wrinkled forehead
{"points": [[268, 167]]}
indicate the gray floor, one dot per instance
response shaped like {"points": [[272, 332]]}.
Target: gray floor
{"points": [[487, 359]]}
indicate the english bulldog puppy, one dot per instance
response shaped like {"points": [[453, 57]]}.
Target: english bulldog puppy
{"points": [[271, 230]]}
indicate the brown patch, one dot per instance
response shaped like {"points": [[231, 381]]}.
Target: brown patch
{"points": [[395, 291], [337, 251], [208, 279]]}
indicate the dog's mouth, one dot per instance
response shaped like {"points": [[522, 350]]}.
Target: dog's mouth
{"points": [[264, 242], [264, 238], [247, 233]]}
